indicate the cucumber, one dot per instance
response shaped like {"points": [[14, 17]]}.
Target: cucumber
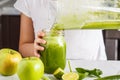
{"points": [[112, 77], [58, 73]]}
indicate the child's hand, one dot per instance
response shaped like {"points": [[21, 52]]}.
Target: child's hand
{"points": [[39, 40]]}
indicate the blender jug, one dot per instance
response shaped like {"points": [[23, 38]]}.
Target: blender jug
{"points": [[87, 14]]}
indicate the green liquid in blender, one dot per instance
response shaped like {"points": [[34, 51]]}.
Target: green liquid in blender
{"points": [[89, 20]]}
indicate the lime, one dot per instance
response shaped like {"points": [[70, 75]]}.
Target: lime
{"points": [[70, 76], [58, 73]]}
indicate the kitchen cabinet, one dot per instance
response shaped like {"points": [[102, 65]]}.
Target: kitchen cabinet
{"points": [[112, 44], [0, 34], [10, 29], [118, 49]]}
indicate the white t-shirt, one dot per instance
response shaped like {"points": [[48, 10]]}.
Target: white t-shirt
{"points": [[81, 44]]}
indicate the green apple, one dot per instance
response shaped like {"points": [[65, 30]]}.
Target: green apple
{"points": [[9, 60], [30, 68]]}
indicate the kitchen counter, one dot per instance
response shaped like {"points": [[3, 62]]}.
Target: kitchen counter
{"points": [[108, 68]]}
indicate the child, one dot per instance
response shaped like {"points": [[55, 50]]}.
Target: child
{"points": [[40, 14]]}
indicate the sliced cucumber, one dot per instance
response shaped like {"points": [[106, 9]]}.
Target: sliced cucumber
{"points": [[58, 73], [112, 77]]}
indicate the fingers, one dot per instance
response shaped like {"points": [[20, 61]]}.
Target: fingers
{"points": [[40, 34], [36, 53], [39, 40], [38, 47]]}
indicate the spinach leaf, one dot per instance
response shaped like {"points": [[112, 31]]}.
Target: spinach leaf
{"points": [[94, 72]]}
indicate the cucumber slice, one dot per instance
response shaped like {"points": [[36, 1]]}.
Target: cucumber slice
{"points": [[58, 73]]}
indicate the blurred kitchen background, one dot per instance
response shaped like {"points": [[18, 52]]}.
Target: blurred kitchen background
{"points": [[10, 28]]}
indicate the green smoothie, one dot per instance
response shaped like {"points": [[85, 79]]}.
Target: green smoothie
{"points": [[54, 55]]}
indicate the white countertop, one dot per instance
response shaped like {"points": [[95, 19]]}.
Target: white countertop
{"points": [[108, 67]]}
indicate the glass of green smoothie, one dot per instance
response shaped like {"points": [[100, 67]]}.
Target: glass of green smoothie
{"points": [[54, 55]]}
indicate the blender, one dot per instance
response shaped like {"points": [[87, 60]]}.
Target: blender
{"points": [[87, 14]]}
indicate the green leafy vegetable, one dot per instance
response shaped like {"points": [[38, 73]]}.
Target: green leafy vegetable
{"points": [[95, 72], [82, 75]]}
